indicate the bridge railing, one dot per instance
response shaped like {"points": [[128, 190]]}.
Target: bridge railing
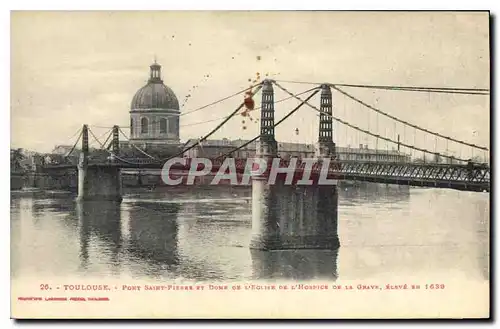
{"points": [[347, 169], [406, 169], [471, 176], [441, 172]]}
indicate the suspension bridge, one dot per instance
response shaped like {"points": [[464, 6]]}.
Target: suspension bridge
{"points": [[290, 216], [449, 171]]}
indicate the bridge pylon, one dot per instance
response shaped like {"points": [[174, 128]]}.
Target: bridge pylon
{"points": [[267, 147], [288, 216], [326, 146], [85, 140], [115, 142]]}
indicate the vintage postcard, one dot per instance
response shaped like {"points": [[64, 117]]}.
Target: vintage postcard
{"points": [[250, 164]]}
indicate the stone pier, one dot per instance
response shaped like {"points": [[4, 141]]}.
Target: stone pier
{"points": [[99, 183], [293, 217]]}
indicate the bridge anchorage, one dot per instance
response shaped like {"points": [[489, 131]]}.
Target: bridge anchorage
{"points": [[296, 216]]}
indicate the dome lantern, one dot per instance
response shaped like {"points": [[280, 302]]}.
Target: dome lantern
{"points": [[155, 74], [155, 94]]}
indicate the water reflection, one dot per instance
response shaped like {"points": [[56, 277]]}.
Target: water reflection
{"points": [[190, 192], [15, 204], [483, 234], [53, 203], [99, 223], [294, 264], [205, 235], [153, 233]]}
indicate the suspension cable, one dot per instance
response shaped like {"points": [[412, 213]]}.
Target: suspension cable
{"points": [[99, 138], [213, 130], [202, 122], [74, 145], [95, 138], [109, 136], [473, 91], [135, 146], [102, 127], [114, 155], [274, 126], [220, 100], [204, 106], [79, 130], [257, 108], [360, 129], [281, 100], [406, 122], [416, 89], [124, 126]]}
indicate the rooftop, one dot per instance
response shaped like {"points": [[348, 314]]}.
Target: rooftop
{"points": [[286, 146]]}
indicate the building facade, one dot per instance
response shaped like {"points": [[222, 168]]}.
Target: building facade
{"points": [[214, 148]]}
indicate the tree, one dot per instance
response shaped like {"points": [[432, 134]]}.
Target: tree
{"points": [[16, 156]]}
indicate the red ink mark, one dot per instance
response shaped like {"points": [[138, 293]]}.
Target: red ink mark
{"points": [[249, 102]]}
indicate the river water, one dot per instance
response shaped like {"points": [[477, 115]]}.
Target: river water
{"points": [[204, 234]]}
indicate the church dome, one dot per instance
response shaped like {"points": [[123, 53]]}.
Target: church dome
{"points": [[155, 95]]}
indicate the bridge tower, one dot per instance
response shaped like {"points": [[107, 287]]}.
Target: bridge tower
{"points": [[288, 216], [115, 143], [327, 195], [99, 181], [267, 146], [326, 146]]}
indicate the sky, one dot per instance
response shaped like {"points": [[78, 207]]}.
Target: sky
{"points": [[71, 68]]}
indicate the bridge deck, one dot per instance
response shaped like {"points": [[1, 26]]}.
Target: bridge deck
{"points": [[470, 177]]}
